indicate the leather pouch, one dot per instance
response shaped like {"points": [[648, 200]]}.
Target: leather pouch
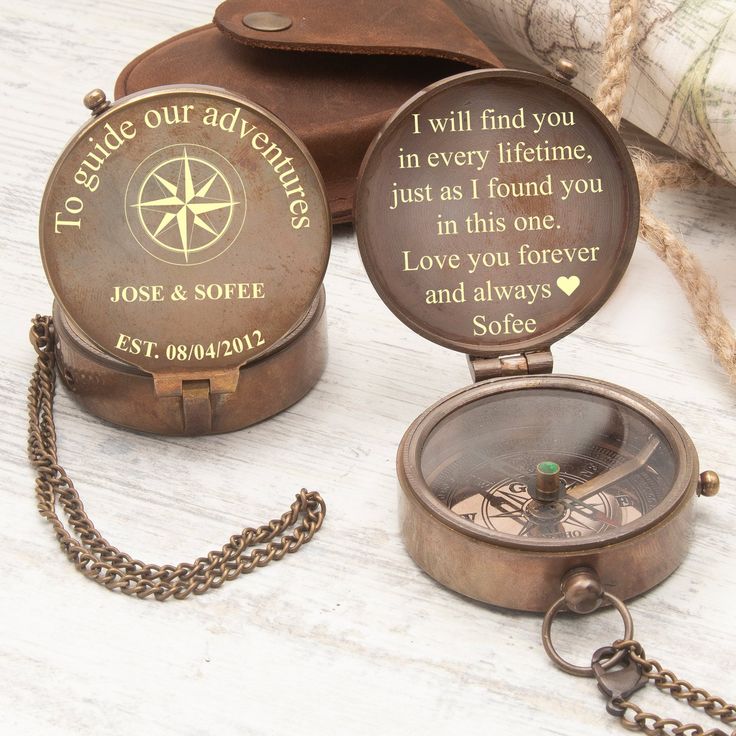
{"points": [[333, 70]]}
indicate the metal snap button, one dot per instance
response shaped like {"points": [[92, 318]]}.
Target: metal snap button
{"points": [[267, 21]]}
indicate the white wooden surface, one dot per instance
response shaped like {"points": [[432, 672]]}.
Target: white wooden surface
{"points": [[348, 636]]}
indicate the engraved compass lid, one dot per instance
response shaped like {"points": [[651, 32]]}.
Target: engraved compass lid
{"points": [[184, 230], [497, 210]]}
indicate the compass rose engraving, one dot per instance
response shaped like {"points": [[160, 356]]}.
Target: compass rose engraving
{"points": [[188, 204]]}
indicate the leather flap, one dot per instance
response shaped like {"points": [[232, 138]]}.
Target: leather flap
{"points": [[405, 27]]}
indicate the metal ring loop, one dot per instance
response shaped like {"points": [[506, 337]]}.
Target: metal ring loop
{"points": [[577, 670]]}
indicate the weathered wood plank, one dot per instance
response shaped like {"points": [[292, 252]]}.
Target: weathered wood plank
{"points": [[348, 636]]}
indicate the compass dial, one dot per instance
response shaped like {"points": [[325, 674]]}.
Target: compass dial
{"points": [[615, 467]]}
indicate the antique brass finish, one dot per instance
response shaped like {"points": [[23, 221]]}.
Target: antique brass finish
{"points": [[185, 233], [96, 101], [709, 483], [413, 448], [548, 477], [547, 485], [525, 484], [93, 555], [581, 671], [565, 71], [509, 539], [531, 363], [639, 669], [124, 395], [582, 590], [524, 573], [179, 190], [616, 684], [398, 202], [267, 21]]}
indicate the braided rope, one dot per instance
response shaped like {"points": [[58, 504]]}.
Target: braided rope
{"points": [[619, 46], [700, 289]]}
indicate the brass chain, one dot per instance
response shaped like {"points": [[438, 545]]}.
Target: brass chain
{"points": [[668, 682], [116, 570]]}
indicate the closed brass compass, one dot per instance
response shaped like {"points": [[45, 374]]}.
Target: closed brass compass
{"points": [[496, 213], [185, 234]]}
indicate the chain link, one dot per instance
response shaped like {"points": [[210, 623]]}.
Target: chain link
{"points": [[93, 555], [668, 682]]}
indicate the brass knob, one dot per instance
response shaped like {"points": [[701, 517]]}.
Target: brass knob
{"points": [[709, 483], [565, 71], [583, 590], [96, 101]]}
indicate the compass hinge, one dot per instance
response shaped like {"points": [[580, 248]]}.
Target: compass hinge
{"points": [[535, 362]]}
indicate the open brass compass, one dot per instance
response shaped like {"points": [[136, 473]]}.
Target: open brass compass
{"points": [[496, 212]]}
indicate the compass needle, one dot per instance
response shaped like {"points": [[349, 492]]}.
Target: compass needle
{"points": [[616, 474], [563, 486]]}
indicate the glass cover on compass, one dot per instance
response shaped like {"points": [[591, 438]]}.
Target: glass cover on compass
{"points": [[615, 468]]}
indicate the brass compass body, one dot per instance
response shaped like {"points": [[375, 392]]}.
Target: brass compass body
{"points": [[497, 212], [626, 476], [185, 234]]}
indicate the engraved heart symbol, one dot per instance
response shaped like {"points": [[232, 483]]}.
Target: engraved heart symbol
{"points": [[568, 284]]}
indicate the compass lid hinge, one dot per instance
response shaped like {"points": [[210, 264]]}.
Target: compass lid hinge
{"points": [[523, 364]]}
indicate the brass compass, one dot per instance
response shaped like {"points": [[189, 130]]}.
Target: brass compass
{"points": [[511, 483], [496, 213], [185, 234]]}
